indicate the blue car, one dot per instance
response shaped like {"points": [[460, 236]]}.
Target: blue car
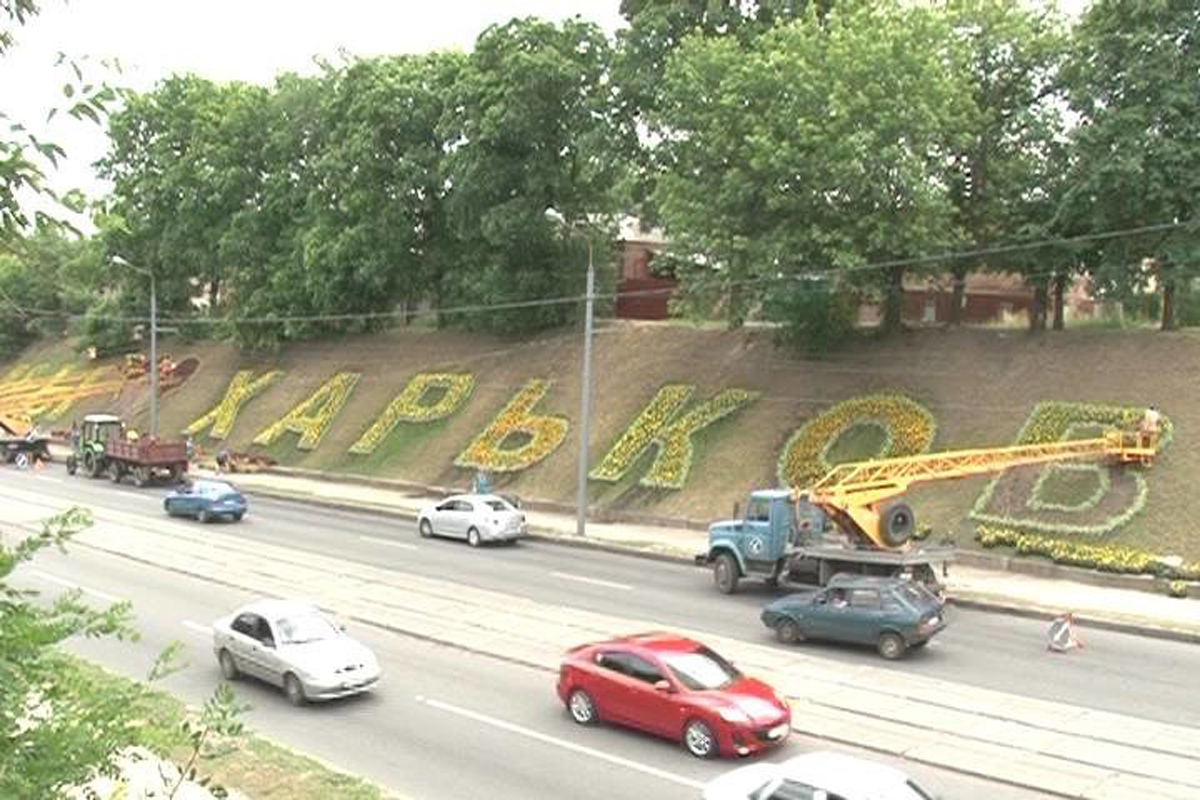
{"points": [[205, 500]]}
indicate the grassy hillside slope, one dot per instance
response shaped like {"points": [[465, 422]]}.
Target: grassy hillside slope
{"points": [[981, 387]]}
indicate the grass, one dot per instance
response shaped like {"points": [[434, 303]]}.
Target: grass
{"points": [[258, 768], [1070, 488], [858, 443], [404, 438]]}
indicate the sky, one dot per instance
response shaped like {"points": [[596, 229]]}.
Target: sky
{"points": [[249, 40]]}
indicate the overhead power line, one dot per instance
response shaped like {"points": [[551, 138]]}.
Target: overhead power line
{"points": [[480, 308]]}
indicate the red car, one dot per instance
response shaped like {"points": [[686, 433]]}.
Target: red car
{"points": [[675, 688]]}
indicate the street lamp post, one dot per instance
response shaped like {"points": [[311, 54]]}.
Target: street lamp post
{"points": [[153, 366], [585, 389], [585, 401], [153, 357]]}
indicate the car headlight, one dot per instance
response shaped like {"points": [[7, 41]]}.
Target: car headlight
{"points": [[734, 715]]}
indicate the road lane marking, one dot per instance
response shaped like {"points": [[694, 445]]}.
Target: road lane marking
{"points": [[566, 576], [389, 542], [196, 627], [46, 576], [547, 739]]}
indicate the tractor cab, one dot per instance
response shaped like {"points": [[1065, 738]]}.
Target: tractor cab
{"points": [[102, 428]]}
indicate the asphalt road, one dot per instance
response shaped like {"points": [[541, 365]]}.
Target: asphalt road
{"points": [[444, 724], [1123, 673]]}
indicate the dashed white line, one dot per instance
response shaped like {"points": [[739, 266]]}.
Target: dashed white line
{"points": [[389, 542], [547, 739], [566, 576], [196, 627], [46, 576]]}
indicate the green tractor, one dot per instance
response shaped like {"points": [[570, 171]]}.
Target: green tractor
{"points": [[90, 443]]}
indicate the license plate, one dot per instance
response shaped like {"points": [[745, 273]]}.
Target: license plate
{"points": [[779, 731]]}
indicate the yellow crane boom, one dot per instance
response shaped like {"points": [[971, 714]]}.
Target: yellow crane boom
{"points": [[857, 492]]}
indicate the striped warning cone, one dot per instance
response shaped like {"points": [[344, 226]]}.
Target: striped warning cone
{"points": [[1062, 634]]}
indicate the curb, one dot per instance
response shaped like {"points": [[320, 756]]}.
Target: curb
{"points": [[1000, 606], [548, 536]]}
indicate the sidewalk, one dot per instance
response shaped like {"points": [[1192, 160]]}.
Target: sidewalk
{"points": [[1057, 748], [1116, 609]]}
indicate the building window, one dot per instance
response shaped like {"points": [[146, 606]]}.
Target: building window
{"points": [[930, 313]]}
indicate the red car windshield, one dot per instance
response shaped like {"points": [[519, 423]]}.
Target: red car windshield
{"points": [[701, 669]]}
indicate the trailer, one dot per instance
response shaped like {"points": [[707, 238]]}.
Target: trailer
{"points": [[103, 446], [19, 439]]}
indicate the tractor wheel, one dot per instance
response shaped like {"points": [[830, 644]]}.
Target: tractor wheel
{"points": [[897, 524], [93, 465], [726, 573], [72, 465], [115, 473]]}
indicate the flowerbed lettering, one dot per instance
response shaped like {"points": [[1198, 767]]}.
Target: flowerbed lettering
{"points": [[1014, 500], [657, 426], [541, 435], [312, 418], [244, 386], [909, 429], [411, 406]]}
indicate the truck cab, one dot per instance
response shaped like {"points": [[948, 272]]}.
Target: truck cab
{"points": [[760, 542]]}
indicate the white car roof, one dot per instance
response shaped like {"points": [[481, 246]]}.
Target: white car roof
{"points": [[844, 774], [273, 609], [479, 498]]}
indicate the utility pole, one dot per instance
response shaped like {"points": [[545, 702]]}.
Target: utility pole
{"points": [[153, 366], [581, 498], [153, 357]]}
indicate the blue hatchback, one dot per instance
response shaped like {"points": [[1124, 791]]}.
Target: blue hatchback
{"points": [[205, 500]]}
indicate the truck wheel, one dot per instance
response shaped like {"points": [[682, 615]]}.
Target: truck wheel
{"points": [[891, 646], [92, 465], [72, 465], [141, 476], [726, 573], [897, 524], [115, 473], [176, 474]]}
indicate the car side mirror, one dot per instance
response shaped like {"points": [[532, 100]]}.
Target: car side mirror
{"points": [[269, 643], [664, 686]]}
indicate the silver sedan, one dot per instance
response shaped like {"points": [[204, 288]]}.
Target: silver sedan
{"points": [[478, 518], [293, 645]]}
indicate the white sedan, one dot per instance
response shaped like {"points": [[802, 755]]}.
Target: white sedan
{"points": [[822, 775], [293, 645], [478, 518]]}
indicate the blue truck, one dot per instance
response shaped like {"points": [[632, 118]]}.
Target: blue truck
{"points": [[782, 538]]}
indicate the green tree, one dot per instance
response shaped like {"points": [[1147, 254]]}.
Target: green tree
{"points": [[529, 127], [1133, 77], [26, 159], [50, 735], [655, 30], [1003, 176], [819, 149], [377, 233]]}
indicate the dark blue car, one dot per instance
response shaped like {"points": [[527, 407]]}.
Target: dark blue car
{"points": [[892, 614], [205, 500]]}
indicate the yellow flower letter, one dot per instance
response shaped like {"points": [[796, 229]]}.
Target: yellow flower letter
{"points": [[908, 429], [409, 406], [541, 435], [243, 387], [657, 426], [311, 418]]}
